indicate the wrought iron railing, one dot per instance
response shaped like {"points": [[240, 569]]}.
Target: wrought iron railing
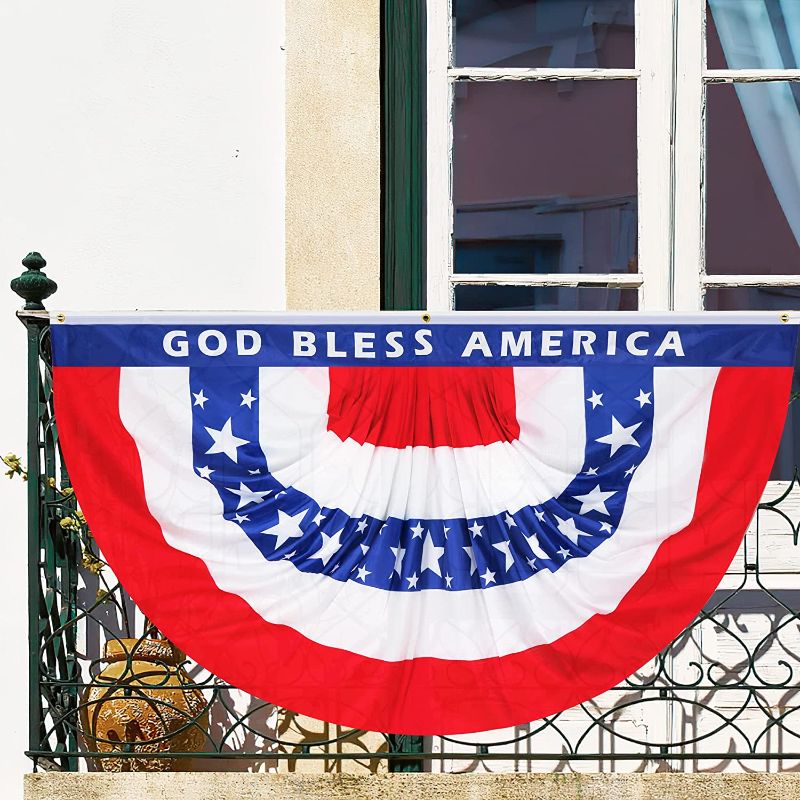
{"points": [[723, 695]]}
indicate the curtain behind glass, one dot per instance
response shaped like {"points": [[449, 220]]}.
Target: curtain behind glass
{"points": [[765, 34]]}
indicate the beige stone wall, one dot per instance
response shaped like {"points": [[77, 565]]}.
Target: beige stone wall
{"points": [[238, 786], [332, 154]]}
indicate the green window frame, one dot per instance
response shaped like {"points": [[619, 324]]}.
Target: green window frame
{"points": [[403, 154]]}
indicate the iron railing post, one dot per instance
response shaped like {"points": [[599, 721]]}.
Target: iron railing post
{"points": [[34, 286]]}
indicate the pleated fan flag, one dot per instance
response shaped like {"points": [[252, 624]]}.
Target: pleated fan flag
{"points": [[421, 526]]}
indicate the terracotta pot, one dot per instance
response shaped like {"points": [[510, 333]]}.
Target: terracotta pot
{"points": [[139, 703]]}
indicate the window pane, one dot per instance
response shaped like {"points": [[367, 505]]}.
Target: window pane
{"points": [[753, 34], [753, 178], [777, 298], [544, 177], [543, 33], [544, 298]]}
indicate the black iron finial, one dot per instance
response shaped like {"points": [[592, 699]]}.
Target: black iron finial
{"points": [[33, 285]]}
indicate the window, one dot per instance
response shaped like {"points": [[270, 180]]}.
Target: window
{"points": [[551, 124], [549, 130]]}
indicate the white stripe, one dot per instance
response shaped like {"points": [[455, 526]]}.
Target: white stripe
{"points": [[427, 482], [398, 625], [483, 319]]}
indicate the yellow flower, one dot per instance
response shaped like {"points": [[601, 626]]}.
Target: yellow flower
{"points": [[15, 466], [67, 522], [12, 461], [101, 595], [94, 565], [80, 517]]}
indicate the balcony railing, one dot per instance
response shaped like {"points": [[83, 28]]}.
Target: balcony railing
{"points": [[723, 695]]}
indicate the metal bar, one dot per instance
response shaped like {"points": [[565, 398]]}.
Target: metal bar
{"points": [[34, 543], [538, 74], [360, 755], [750, 75], [554, 279], [25, 315]]}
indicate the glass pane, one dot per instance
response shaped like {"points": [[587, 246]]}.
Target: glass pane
{"points": [[753, 34], [543, 33], [544, 298], [770, 298], [753, 178], [544, 177], [753, 298]]}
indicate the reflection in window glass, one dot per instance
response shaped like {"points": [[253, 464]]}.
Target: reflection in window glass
{"points": [[753, 298], [753, 178], [753, 34], [544, 176], [544, 298], [544, 33], [509, 256], [768, 298]]}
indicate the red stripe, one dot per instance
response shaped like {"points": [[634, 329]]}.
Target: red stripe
{"points": [[425, 695], [430, 406]]}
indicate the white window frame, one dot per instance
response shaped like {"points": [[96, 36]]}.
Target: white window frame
{"points": [[671, 76]]}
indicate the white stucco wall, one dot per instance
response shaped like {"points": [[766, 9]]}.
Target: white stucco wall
{"points": [[142, 152]]}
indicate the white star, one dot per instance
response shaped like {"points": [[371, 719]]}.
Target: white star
{"points": [[594, 501], [569, 529], [629, 472], [472, 565], [539, 515], [364, 548], [362, 573], [532, 563], [505, 549], [509, 520], [536, 548], [446, 531], [247, 495], [417, 531], [225, 441], [330, 546], [199, 399], [448, 580], [254, 472], [605, 527], [644, 398], [591, 471], [289, 555], [563, 552], [383, 528], [287, 527], [362, 525], [399, 554], [204, 472], [488, 576], [431, 554], [595, 399], [248, 399], [412, 581], [476, 529], [619, 436], [319, 519], [241, 518]]}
